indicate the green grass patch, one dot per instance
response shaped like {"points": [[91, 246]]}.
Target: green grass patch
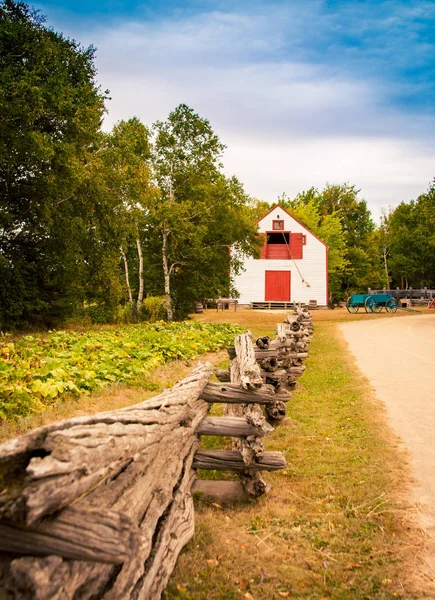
{"points": [[335, 525]]}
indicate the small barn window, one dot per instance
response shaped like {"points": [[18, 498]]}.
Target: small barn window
{"points": [[278, 224]]}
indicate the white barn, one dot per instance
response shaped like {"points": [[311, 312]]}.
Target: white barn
{"points": [[293, 266]]}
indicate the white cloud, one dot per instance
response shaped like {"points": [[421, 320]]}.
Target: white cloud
{"points": [[288, 123], [387, 171]]}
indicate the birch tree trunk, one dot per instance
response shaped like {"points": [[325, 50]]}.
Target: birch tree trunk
{"points": [[385, 256], [167, 275], [140, 292], [127, 278]]}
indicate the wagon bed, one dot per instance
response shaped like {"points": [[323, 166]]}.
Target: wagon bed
{"points": [[371, 303]]}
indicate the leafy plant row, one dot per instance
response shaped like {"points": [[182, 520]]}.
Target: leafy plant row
{"points": [[36, 371]]}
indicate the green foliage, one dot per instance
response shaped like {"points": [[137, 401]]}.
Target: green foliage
{"points": [[81, 217], [153, 309], [51, 112], [36, 371], [200, 213], [126, 314], [363, 267], [186, 152], [410, 236], [101, 314], [259, 208], [120, 183], [356, 218]]}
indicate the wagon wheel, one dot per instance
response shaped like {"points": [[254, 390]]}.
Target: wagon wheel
{"points": [[391, 305], [352, 308], [431, 303], [370, 305]]}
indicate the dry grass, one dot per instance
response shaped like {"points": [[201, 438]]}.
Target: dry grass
{"points": [[268, 318], [337, 524]]}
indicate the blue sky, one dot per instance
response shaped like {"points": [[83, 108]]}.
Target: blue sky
{"points": [[302, 92]]}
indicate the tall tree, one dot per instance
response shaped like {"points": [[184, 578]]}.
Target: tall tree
{"points": [[123, 170], [200, 215], [51, 112], [363, 261], [412, 241]]}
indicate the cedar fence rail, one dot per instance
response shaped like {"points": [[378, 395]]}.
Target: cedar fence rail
{"points": [[99, 507]]}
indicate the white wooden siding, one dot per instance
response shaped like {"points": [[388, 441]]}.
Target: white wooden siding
{"points": [[313, 268]]}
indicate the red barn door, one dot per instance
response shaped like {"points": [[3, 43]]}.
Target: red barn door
{"points": [[278, 285]]}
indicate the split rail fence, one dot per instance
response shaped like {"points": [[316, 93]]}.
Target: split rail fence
{"points": [[100, 506]]}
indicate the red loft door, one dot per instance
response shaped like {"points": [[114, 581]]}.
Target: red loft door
{"points": [[278, 286]]}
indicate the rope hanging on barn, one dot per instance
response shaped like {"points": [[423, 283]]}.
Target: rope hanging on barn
{"points": [[291, 256]]}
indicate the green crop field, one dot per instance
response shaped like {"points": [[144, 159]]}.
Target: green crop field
{"points": [[38, 370]]}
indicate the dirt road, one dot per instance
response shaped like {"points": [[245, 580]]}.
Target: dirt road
{"points": [[398, 356]]}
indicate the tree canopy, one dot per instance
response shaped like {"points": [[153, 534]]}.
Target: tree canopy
{"points": [[200, 213], [398, 252], [98, 219], [410, 235], [50, 116]]}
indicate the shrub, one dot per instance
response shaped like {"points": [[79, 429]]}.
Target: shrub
{"points": [[127, 314], [153, 309], [101, 314]]}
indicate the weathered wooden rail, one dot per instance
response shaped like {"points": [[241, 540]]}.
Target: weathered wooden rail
{"points": [[100, 506], [258, 375]]}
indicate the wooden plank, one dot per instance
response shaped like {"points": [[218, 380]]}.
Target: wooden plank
{"points": [[281, 332], [262, 342], [223, 375], [251, 447], [176, 529], [279, 353], [250, 376], [233, 394], [277, 374], [274, 348], [276, 411], [231, 460], [232, 426], [269, 364]]}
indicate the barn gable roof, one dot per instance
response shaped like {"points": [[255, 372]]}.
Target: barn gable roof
{"points": [[294, 219]]}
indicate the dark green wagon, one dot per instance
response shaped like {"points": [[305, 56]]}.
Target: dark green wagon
{"points": [[371, 303]]}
